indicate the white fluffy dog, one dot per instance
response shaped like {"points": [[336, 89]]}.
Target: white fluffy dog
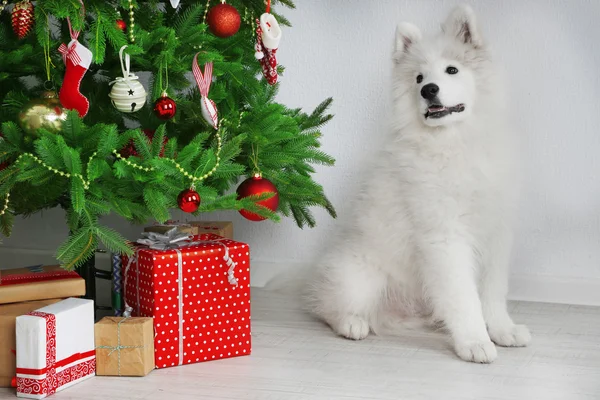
{"points": [[433, 235]]}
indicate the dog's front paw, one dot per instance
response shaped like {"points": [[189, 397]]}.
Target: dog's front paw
{"points": [[511, 336], [353, 327], [476, 351]]}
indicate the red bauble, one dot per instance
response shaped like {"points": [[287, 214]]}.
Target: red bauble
{"points": [[165, 107], [223, 20], [129, 149], [188, 200], [255, 186], [121, 25], [5, 163], [22, 18]]}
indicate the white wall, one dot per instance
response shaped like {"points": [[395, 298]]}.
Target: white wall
{"points": [[341, 48]]}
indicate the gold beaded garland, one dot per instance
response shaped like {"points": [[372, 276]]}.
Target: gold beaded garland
{"points": [[193, 178], [131, 22], [86, 183], [2, 6], [5, 204]]}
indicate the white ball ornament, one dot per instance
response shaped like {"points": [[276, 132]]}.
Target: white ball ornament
{"points": [[127, 94]]}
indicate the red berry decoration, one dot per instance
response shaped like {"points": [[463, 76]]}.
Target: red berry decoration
{"points": [[255, 186], [165, 107], [22, 18], [121, 25], [223, 20], [5, 164], [188, 200], [129, 149]]}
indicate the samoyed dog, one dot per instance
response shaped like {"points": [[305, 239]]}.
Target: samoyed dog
{"points": [[432, 233]]}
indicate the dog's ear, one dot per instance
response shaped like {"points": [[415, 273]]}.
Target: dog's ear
{"points": [[461, 24], [407, 34]]}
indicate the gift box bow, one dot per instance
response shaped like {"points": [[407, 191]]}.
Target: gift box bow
{"points": [[174, 239]]}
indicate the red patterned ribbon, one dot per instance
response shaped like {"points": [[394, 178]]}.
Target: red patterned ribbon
{"points": [[37, 277], [75, 34], [58, 364], [53, 380], [203, 80], [70, 53]]}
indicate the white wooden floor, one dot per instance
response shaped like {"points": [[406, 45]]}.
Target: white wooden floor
{"points": [[295, 357]]}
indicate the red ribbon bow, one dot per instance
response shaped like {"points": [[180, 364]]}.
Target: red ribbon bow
{"points": [[70, 53]]}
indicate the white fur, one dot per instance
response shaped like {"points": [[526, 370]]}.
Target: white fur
{"points": [[431, 235]]}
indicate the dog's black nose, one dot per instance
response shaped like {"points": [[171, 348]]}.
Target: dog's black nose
{"points": [[429, 91]]}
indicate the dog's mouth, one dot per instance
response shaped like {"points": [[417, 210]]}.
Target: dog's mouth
{"points": [[438, 111]]}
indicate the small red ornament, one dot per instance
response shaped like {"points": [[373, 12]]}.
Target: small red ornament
{"points": [[223, 20], [22, 18], [188, 200], [121, 25], [255, 186], [129, 149], [165, 107], [5, 163]]}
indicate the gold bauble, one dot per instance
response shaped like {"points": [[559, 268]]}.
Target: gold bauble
{"points": [[45, 112]]}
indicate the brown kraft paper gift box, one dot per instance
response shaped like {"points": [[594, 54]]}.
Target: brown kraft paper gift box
{"points": [[162, 229], [8, 342], [124, 346], [39, 283], [221, 228]]}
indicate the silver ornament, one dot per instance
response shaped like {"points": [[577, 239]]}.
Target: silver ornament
{"points": [[127, 94]]}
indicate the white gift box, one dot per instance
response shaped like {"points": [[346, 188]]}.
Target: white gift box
{"points": [[55, 347]]}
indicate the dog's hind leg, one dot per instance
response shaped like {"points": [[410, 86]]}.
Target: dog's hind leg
{"points": [[348, 293]]}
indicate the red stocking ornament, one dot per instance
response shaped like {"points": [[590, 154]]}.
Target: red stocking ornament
{"points": [[77, 59], [268, 35]]}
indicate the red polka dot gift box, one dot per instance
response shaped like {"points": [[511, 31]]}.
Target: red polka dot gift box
{"points": [[197, 290]]}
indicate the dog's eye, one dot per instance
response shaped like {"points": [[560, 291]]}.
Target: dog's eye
{"points": [[419, 78], [451, 70]]}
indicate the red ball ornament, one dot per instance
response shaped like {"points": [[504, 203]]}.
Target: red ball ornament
{"points": [[165, 107], [121, 25], [5, 164], [22, 18], [255, 186], [223, 20], [129, 149], [188, 200]]}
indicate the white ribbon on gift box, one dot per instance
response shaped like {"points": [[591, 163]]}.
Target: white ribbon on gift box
{"points": [[173, 240]]}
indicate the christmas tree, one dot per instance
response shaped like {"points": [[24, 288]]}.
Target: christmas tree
{"points": [[81, 132]]}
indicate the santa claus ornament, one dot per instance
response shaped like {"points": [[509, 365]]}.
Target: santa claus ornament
{"points": [[268, 36], [127, 94], [204, 80]]}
